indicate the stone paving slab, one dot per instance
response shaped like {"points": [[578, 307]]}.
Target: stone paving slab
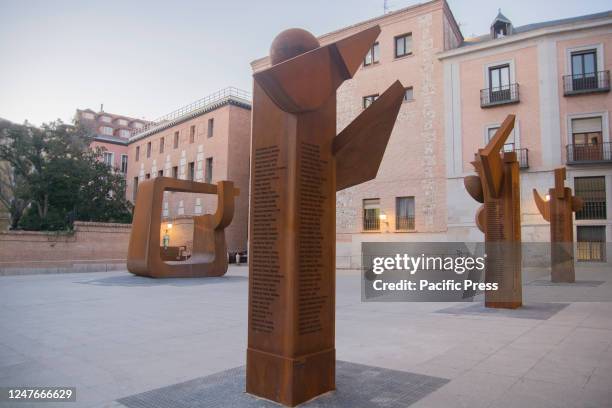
{"points": [[358, 386], [535, 311]]}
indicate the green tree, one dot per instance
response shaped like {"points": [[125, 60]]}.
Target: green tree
{"points": [[58, 179]]}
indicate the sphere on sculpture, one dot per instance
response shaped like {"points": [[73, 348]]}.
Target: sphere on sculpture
{"points": [[291, 43]]}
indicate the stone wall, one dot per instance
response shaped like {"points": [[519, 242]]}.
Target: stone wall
{"points": [[91, 247]]}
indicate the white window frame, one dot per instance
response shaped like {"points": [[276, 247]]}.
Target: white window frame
{"points": [[605, 129], [510, 64], [112, 156], [516, 131], [105, 119], [598, 49]]}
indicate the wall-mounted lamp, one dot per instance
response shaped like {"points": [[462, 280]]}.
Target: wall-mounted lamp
{"points": [[383, 217], [166, 238], [547, 198]]}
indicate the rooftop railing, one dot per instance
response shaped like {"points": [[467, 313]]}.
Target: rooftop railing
{"points": [[219, 96]]}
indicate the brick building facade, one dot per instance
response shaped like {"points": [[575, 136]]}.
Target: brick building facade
{"points": [[111, 132], [207, 141], [418, 194]]}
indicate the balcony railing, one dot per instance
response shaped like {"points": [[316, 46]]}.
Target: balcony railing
{"points": [[586, 83], [403, 223], [499, 96], [522, 155], [371, 223], [589, 153]]}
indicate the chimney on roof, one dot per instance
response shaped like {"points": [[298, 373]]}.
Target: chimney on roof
{"points": [[101, 107]]}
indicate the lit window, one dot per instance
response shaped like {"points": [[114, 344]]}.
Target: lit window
{"points": [[591, 243], [373, 55], [367, 100], [371, 214], [587, 141], [403, 45]]}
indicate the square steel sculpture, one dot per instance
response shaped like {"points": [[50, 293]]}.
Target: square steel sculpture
{"points": [[557, 210], [496, 185], [209, 254], [298, 164]]}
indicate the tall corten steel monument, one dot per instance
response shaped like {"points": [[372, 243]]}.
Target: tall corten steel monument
{"points": [[298, 164], [557, 210], [497, 187]]}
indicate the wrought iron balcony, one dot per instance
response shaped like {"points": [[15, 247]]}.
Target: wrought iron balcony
{"points": [[371, 223], [403, 223], [499, 96], [522, 155], [586, 83], [589, 153]]}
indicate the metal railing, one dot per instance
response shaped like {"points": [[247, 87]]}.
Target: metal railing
{"points": [[592, 210], [371, 223], [499, 96], [219, 96], [403, 223], [522, 155], [586, 83], [589, 153]]}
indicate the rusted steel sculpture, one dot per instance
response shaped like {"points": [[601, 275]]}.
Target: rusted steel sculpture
{"points": [[209, 254], [557, 210], [497, 187], [298, 164]]}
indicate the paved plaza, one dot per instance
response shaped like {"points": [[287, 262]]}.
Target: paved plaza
{"points": [[113, 336]]}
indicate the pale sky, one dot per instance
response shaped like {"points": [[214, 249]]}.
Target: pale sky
{"points": [[147, 58]]}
